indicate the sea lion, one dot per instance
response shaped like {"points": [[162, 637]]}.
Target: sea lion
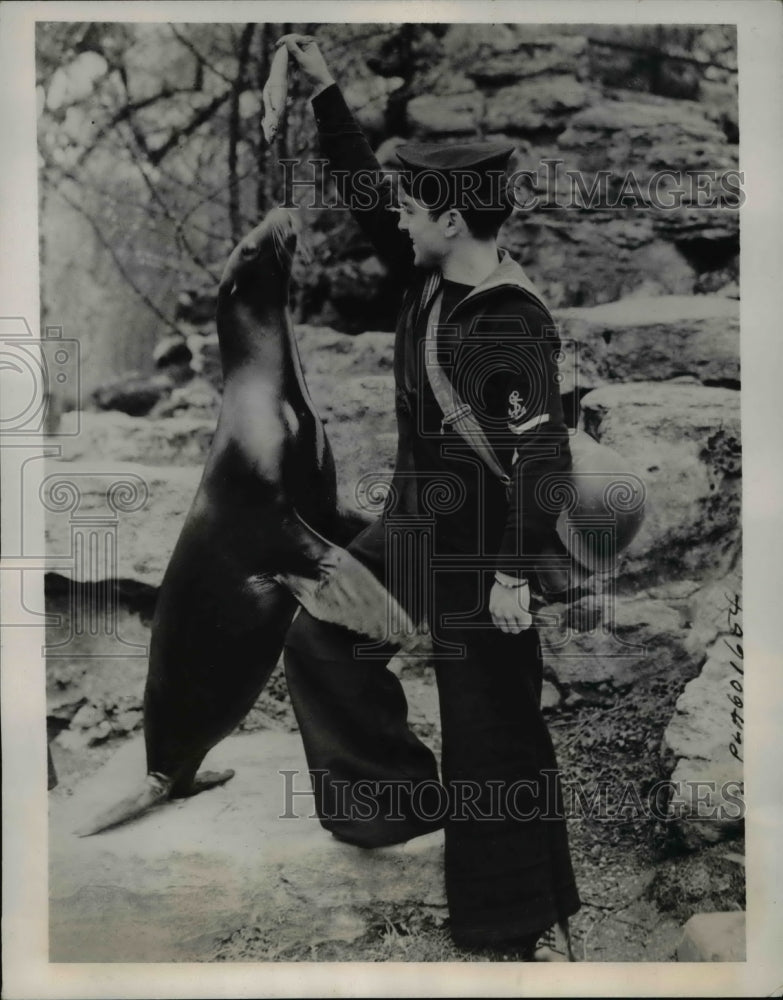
{"points": [[255, 535]]}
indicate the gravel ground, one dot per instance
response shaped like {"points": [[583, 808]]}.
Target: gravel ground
{"points": [[637, 887]]}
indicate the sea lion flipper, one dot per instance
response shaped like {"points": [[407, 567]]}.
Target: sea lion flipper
{"points": [[154, 789], [341, 590], [203, 781], [348, 523]]}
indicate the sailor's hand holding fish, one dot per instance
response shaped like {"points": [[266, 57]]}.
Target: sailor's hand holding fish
{"points": [[309, 58]]}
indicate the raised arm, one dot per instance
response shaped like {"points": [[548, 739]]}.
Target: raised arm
{"points": [[357, 171]]}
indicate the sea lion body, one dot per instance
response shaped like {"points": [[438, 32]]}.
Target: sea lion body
{"points": [[221, 617], [263, 532]]}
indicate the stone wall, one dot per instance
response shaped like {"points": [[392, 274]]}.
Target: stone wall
{"points": [[544, 89], [565, 101]]}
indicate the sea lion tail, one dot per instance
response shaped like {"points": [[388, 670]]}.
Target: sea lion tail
{"points": [[154, 789]]}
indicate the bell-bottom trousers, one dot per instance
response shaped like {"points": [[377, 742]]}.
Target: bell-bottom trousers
{"points": [[507, 865]]}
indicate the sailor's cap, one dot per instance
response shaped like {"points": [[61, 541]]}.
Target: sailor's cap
{"points": [[446, 158], [469, 176]]}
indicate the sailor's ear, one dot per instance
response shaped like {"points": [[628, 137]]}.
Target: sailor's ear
{"points": [[455, 224]]}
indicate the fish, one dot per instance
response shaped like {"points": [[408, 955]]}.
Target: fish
{"points": [[275, 93]]}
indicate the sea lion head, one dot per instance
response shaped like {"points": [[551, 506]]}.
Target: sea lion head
{"points": [[264, 256]]}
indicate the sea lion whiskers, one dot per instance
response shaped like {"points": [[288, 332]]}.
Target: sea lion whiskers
{"points": [[284, 226]]}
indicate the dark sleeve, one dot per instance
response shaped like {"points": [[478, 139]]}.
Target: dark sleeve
{"points": [[519, 348], [368, 195]]}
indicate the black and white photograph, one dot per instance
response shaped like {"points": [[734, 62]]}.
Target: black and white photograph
{"points": [[391, 499]]}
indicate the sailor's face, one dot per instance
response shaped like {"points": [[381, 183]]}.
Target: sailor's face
{"points": [[427, 236]]}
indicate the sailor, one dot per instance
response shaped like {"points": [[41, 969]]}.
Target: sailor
{"points": [[470, 313]]}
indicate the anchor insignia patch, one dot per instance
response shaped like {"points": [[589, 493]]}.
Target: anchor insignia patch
{"points": [[515, 407]]}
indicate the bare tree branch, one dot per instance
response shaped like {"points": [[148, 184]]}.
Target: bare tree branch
{"points": [[176, 223], [85, 181], [156, 155], [262, 71], [107, 245], [199, 55], [124, 113], [233, 130]]}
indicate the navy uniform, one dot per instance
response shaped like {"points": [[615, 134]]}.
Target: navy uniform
{"points": [[507, 877]]}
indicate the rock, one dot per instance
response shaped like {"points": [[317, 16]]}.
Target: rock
{"points": [[550, 697], [556, 54], [536, 104], [126, 722], [358, 397], [436, 82], [709, 237], [654, 338], [720, 102], [685, 442], [646, 136], [368, 98], [99, 733], [365, 402], [62, 704], [102, 666], [638, 638], [176, 883], [355, 282], [74, 80], [710, 609], [172, 350], [200, 398], [584, 260], [713, 937], [705, 739], [132, 393], [655, 134], [197, 305], [327, 352], [448, 115], [74, 741], [87, 717], [180, 440], [502, 53], [462, 43], [145, 505], [206, 358]]}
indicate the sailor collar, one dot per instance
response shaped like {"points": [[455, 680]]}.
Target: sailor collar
{"points": [[507, 272]]}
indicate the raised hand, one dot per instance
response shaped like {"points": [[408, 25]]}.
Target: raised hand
{"points": [[309, 58]]}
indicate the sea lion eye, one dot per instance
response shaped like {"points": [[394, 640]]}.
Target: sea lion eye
{"points": [[249, 250]]}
